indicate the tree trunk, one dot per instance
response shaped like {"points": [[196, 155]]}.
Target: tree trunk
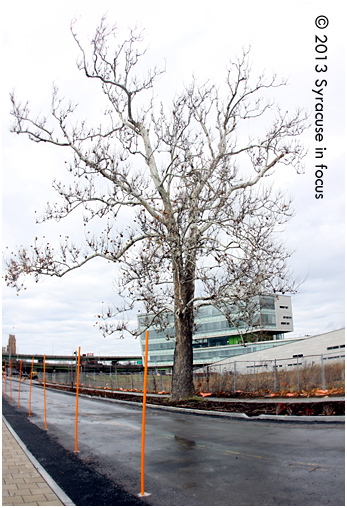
{"points": [[182, 374]]}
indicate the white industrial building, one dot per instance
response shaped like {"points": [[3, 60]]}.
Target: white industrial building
{"points": [[327, 347]]}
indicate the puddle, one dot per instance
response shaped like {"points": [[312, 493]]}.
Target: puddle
{"points": [[185, 442]]}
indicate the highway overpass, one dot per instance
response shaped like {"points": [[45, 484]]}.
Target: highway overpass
{"points": [[64, 362]]}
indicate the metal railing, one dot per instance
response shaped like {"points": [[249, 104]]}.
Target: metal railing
{"points": [[286, 375], [295, 374], [127, 381]]}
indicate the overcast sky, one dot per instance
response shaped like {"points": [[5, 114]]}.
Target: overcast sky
{"points": [[200, 37]]}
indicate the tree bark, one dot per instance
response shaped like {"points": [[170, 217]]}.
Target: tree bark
{"points": [[182, 374]]}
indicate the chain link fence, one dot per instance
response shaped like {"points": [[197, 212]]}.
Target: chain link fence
{"points": [[287, 374], [280, 375], [128, 381]]}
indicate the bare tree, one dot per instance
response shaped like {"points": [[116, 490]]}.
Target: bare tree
{"points": [[202, 230]]}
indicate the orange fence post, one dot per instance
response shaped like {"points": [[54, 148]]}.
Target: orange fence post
{"points": [[44, 389], [78, 380], [10, 380], [144, 422], [5, 380], [31, 377], [20, 377]]}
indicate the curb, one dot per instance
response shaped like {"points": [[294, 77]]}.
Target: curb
{"points": [[218, 414], [243, 416], [48, 479], [226, 414]]}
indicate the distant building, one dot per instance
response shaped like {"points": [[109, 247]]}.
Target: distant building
{"points": [[11, 346], [215, 338], [298, 352]]}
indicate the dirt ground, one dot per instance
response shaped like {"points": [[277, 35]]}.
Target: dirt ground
{"points": [[325, 407]]}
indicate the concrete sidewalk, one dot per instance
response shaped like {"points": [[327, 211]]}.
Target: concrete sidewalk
{"points": [[24, 481]]}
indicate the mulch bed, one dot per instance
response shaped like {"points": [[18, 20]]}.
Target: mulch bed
{"points": [[325, 407], [267, 408]]}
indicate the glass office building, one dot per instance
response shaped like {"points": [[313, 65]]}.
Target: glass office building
{"points": [[215, 338]]}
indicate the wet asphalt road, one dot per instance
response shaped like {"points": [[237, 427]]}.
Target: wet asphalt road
{"points": [[81, 483], [198, 460]]}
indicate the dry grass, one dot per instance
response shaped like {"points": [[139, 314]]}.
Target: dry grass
{"points": [[304, 380]]}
